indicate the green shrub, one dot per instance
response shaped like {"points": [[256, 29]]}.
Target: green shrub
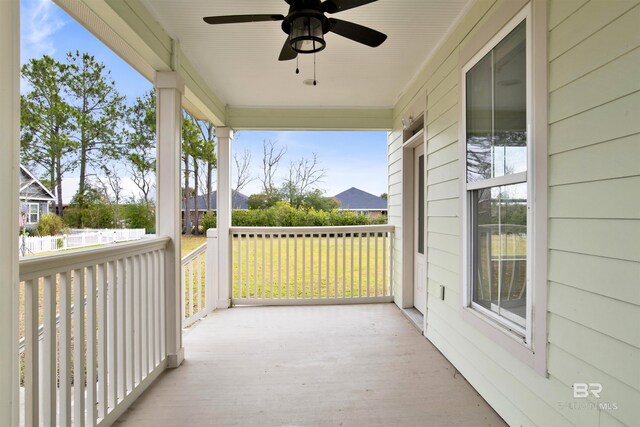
{"points": [[208, 221], [140, 215], [283, 215], [262, 201], [27, 232], [50, 225], [91, 216]]}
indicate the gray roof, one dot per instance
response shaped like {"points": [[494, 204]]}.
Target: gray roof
{"points": [[238, 200], [31, 189], [357, 200]]}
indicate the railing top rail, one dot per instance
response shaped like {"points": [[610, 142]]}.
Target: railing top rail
{"points": [[42, 265], [313, 230], [195, 253], [507, 228]]}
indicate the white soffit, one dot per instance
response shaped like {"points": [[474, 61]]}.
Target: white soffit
{"points": [[240, 61]]}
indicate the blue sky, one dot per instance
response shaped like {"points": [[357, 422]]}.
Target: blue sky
{"points": [[351, 159]]}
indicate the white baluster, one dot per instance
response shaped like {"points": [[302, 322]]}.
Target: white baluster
{"points": [[64, 283], [91, 412], [31, 368], [103, 391], [78, 348]]}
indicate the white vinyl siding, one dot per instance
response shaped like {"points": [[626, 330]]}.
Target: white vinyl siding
{"points": [[394, 200], [594, 217], [594, 208]]}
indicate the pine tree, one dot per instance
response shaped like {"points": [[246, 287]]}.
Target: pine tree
{"points": [[191, 143], [98, 110], [46, 122]]}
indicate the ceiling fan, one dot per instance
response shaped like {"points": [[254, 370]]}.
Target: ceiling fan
{"points": [[307, 23]]}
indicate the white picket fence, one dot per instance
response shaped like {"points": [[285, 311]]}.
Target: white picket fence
{"points": [[77, 239]]}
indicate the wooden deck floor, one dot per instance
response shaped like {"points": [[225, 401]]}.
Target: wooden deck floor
{"points": [[355, 365]]}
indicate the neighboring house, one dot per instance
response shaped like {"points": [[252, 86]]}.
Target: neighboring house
{"points": [[238, 201], [361, 202], [34, 198]]}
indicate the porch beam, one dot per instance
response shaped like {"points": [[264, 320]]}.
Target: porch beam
{"points": [[9, 173], [129, 29], [151, 34], [310, 118], [225, 138], [169, 90]]}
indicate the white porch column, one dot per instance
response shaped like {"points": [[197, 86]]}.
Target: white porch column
{"points": [[169, 90], [225, 137], [9, 172]]}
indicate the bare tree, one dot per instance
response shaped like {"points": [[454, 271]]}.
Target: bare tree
{"points": [[243, 173], [142, 177], [303, 176], [271, 157], [140, 149], [111, 186]]}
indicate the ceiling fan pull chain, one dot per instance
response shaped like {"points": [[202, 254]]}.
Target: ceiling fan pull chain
{"points": [[314, 70], [297, 66]]}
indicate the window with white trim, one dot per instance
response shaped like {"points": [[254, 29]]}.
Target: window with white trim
{"points": [[33, 213], [498, 176]]}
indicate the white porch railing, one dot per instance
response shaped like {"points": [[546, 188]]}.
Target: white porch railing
{"points": [[87, 364], [193, 286], [37, 244], [312, 265]]}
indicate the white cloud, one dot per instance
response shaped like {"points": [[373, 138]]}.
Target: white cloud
{"points": [[40, 20]]}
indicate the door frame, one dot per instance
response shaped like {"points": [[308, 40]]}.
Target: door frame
{"points": [[408, 219], [419, 151]]}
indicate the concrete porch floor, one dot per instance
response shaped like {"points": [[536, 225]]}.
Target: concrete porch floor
{"points": [[363, 365]]}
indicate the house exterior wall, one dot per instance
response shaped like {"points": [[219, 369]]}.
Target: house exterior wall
{"points": [[43, 209], [593, 216]]}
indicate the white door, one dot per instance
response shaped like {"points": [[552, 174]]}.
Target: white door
{"points": [[419, 246]]}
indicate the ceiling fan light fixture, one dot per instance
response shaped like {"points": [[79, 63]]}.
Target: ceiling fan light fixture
{"points": [[307, 35]]}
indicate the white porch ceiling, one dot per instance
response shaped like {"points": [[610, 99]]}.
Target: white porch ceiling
{"points": [[240, 63]]}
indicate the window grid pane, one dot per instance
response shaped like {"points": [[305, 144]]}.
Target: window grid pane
{"points": [[33, 213], [496, 112], [499, 218]]}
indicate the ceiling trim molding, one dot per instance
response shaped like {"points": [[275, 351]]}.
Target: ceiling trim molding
{"points": [[199, 94], [116, 35], [469, 17], [140, 20], [310, 118], [129, 30]]}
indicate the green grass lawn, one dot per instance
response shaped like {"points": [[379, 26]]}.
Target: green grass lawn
{"points": [[191, 243], [279, 272]]}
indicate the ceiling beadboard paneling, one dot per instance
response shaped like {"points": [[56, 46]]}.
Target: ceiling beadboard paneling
{"points": [[240, 61]]}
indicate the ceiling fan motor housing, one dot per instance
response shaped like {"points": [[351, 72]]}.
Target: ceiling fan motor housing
{"points": [[306, 26]]}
